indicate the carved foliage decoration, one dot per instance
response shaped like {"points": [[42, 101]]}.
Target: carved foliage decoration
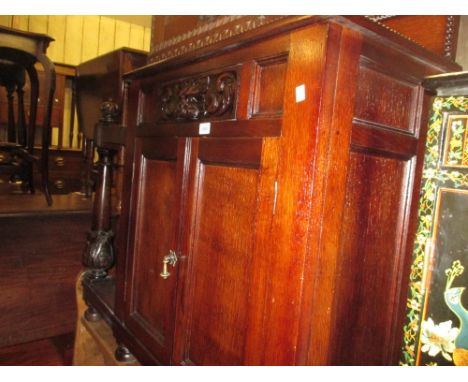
{"points": [[202, 97]]}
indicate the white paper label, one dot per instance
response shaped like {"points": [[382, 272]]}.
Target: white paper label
{"points": [[204, 128], [300, 93]]}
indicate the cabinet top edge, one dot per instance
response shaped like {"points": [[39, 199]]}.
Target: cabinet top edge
{"points": [[448, 84], [365, 26]]}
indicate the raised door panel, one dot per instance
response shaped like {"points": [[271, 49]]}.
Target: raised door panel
{"points": [[376, 213], [231, 209], [150, 299]]}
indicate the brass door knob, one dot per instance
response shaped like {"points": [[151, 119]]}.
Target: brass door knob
{"points": [[171, 259]]}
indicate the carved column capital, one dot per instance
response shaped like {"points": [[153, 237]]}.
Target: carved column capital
{"points": [[98, 255], [110, 112]]}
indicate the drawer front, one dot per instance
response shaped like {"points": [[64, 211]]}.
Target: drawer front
{"points": [[60, 185], [63, 162], [65, 171]]}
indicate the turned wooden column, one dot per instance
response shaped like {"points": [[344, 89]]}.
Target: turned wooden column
{"points": [[98, 255]]}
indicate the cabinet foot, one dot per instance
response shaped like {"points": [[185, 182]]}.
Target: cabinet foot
{"points": [[92, 315], [122, 354]]}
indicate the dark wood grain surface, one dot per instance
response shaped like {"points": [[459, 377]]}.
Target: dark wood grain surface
{"points": [[40, 257]]}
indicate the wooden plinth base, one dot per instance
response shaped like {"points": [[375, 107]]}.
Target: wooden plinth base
{"points": [[94, 342]]}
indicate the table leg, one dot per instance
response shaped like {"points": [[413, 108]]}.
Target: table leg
{"points": [[31, 132], [72, 114], [11, 113], [49, 85], [21, 120]]}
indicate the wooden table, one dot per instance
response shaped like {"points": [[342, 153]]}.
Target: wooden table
{"points": [[22, 50]]}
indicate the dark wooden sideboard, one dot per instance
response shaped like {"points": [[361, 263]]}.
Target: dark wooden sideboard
{"points": [[40, 254], [269, 197]]}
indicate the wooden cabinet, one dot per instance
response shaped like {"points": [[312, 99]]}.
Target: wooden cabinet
{"points": [[99, 80], [279, 170], [210, 202]]}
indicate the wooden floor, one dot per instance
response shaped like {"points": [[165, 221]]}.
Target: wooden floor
{"points": [[56, 351]]}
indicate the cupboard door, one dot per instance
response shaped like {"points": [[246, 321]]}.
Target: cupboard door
{"points": [[154, 217], [232, 186]]}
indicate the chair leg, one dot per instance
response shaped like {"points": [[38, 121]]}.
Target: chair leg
{"points": [[30, 177]]}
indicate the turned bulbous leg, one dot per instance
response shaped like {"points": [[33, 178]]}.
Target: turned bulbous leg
{"points": [[91, 314], [122, 354]]}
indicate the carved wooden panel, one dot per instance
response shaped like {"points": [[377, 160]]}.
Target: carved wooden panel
{"points": [[200, 96], [210, 95]]}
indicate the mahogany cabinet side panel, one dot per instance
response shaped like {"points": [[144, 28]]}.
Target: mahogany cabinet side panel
{"points": [[372, 249], [379, 209]]}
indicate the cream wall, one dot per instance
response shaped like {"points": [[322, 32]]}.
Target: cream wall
{"points": [[462, 47], [78, 39], [81, 38]]}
